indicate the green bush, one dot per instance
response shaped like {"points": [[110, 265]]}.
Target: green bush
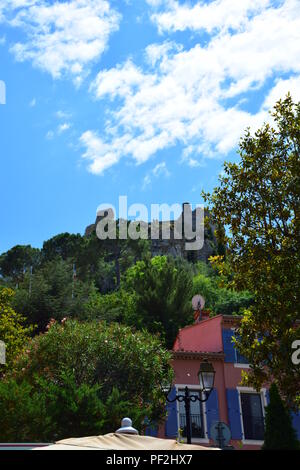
{"points": [[279, 433], [220, 300], [82, 379]]}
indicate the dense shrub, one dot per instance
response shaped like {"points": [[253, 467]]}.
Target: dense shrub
{"points": [[82, 378], [279, 433]]}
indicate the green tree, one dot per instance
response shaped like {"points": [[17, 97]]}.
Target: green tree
{"points": [[64, 245], [51, 292], [83, 378], [124, 253], [219, 299], [105, 261], [162, 289], [258, 202], [104, 276], [18, 260], [279, 432], [12, 330], [114, 306]]}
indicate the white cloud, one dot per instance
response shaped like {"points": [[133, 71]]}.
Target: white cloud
{"points": [[188, 156], [32, 103], [193, 97], [154, 3], [159, 170], [146, 181], [279, 91], [62, 114], [6, 6], [63, 127], [218, 14], [157, 52], [97, 152], [62, 38], [117, 81]]}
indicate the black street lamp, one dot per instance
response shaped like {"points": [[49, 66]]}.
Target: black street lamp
{"points": [[206, 376]]}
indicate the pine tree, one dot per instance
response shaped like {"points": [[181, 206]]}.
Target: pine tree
{"points": [[279, 433]]}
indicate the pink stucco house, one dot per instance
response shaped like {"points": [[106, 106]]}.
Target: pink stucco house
{"points": [[242, 408]]}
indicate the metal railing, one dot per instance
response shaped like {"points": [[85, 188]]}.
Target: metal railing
{"points": [[196, 425]]}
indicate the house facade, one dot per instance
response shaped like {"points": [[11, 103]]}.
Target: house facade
{"points": [[242, 408]]}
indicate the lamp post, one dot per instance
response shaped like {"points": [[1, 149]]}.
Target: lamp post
{"points": [[206, 377]]}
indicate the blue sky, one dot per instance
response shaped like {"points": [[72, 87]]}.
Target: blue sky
{"points": [[144, 98]]}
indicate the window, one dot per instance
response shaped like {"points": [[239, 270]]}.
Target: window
{"points": [[196, 416], [240, 359], [252, 414]]}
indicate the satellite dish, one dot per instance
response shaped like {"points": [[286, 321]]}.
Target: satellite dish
{"points": [[198, 302]]}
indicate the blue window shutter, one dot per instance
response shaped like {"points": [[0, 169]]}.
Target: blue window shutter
{"points": [[151, 430], [171, 426], [234, 413], [240, 359], [212, 410], [296, 423], [228, 346]]}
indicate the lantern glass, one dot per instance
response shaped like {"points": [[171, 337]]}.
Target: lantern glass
{"points": [[206, 377]]}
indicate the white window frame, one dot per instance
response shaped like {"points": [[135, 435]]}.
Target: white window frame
{"points": [[195, 440], [263, 397], [238, 365]]}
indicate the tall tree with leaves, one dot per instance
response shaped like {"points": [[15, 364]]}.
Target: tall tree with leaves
{"points": [[16, 261], [279, 432], [102, 255], [162, 291], [258, 200], [64, 245], [52, 293]]}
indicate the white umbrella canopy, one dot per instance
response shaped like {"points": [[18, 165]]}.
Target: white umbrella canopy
{"points": [[116, 441]]}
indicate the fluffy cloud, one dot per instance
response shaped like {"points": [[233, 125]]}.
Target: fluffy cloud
{"points": [[98, 153], [65, 126], [62, 38], [119, 81], [218, 14], [194, 97], [279, 90], [157, 52]]}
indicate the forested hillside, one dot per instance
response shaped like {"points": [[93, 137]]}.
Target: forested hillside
{"points": [[113, 280]]}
